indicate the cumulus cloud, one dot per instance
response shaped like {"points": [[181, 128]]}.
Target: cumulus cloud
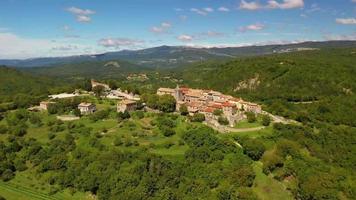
{"points": [[208, 9], [83, 18], [164, 27], [198, 11], [185, 38], [82, 15], [79, 11], [271, 4], [120, 43], [346, 21], [223, 9], [250, 5], [252, 27], [286, 4]]}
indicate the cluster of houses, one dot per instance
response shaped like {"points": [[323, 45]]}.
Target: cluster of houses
{"points": [[208, 101], [196, 101], [128, 103]]}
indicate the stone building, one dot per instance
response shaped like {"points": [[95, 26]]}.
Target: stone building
{"points": [[126, 105], [86, 108]]}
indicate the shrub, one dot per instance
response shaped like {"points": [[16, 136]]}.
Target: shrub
{"points": [[183, 110], [197, 117], [266, 120], [251, 117], [167, 131], [223, 121]]}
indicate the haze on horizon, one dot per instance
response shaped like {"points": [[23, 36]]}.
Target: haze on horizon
{"points": [[42, 28]]}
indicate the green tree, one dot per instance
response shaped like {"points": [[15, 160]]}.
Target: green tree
{"points": [[197, 117], [218, 112], [266, 120], [166, 103], [183, 109], [223, 121], [251, 117], [98, 90]]}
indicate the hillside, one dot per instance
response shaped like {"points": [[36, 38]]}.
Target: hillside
{"points": [[95, 69], [176, 56], [326, 77], [14, 82]]}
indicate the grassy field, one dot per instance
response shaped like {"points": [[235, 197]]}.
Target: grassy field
{"points": [[25, 186], [268, 188]]}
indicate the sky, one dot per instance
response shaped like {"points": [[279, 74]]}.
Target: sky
{"points": [[46, 28]]}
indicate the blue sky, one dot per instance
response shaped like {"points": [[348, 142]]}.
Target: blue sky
{"points": [[36, 28]]}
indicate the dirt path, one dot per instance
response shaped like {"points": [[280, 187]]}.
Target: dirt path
{"points": [[239, 130]]}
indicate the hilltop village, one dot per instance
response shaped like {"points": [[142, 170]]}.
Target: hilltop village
{"points": [[212, 104], [209, 102]]}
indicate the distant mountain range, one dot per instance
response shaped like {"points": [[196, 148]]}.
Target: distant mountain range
{"points": [[173, 56]]}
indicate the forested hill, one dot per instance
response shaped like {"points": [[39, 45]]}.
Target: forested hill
{"points": [[98, 69], [176, 56], [20, 86], [326, 77]]}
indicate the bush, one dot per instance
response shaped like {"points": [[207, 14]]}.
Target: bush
{"points": [[7, 175], [183, 110], [51, 135], [218, 112], [197, 117], [251, 117], [266, 120], [118, 141], [168, 131], [3, 129], [223, 121], [253, 148]]}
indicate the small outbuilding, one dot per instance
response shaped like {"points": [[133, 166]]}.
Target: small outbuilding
{"points": [[126, 105], [86, 108]]}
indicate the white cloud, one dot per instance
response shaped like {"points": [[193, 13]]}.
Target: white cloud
{"points": [[83, 18], [65, 47], [286, 4], [271, 4], [198, 11], [252, 27], [185, 38], [346, 21], [250, 5], [120, 43], [166, 24], [15, 47], [79, 11], [82, 15], [208, 9], [178, 9], [162, 28], [351, 36], [223, 9]]}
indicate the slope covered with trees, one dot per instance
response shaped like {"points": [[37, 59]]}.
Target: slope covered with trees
{"points": [[321, 83]]}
